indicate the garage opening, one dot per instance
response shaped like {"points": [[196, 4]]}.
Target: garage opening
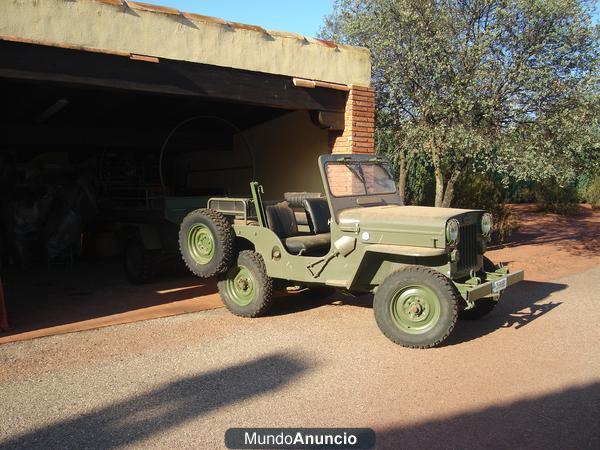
{"points": [[102, 155]]}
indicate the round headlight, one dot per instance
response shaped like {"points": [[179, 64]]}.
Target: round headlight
{"points": [[486, 224], [452, 231]]}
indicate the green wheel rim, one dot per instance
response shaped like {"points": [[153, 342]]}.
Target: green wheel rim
{"points": [[241, 285], [201, 243], [415, 309]]}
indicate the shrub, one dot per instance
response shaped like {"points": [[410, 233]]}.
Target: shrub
{"points": [[520, 192], [479, 191], [558, 199], [591, 193], [420, 184]]}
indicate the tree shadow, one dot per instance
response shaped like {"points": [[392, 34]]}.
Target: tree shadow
{"points": [[157, 411], [519, 306], [566, 419], [577, 234]]}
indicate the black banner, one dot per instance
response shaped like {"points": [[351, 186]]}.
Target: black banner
{"points": [[300, 438]]}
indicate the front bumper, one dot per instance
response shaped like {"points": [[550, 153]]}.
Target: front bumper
{"points": [[495, 283]]}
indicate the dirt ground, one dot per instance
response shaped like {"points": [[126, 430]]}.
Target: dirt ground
{"points": [[525, 376], [549, 246]]}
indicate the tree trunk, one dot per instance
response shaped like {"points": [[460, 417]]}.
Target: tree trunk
{"points": [[402, 175], [439, 180], [449, 191]]}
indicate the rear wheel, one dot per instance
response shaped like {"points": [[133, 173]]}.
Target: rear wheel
{"points": [[416, 307], [246, 289], [483, 306], [207, 242]]}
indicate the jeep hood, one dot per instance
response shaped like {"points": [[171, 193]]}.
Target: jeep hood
{"points": [[390, 217]]}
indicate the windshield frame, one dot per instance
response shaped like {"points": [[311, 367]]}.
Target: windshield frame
{"points": [[360, 176], [338, 204]]}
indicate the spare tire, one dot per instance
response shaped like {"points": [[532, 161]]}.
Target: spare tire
{"points": [[207, 242]]}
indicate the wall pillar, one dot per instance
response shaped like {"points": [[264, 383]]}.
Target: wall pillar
{"points": [[359, 123]]}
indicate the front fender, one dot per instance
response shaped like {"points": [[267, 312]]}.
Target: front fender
{"points": [[379, 260], [406, 250]]}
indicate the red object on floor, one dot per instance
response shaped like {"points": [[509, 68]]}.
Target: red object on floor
{"points": [[3, 317]]}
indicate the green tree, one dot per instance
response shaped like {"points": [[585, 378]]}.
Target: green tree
{"points": [[498, 85]]}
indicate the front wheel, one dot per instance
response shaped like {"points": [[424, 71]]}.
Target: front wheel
{"points": [[416, 307], [246, 289]]}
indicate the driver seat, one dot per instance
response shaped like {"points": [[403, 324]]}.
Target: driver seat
{"points": [[282, 221]]}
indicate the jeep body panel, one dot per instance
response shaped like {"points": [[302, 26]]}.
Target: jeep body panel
{"points": [[406, 250], [418, 226]]}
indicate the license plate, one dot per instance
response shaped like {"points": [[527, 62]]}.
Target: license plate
{"points": [[499, 285]]}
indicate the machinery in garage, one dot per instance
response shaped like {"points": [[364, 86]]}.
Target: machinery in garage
{"points": [[148, 193], [425, 265], [146, 218]]}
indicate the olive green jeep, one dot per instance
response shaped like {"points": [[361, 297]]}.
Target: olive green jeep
{"points": [[425, 266]]}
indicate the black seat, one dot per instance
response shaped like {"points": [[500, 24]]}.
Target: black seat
{"points": [[317, 211], [282, 222], [312, 244], [296, 199]]}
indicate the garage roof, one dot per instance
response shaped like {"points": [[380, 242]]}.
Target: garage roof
{"points": [[142, 30]]}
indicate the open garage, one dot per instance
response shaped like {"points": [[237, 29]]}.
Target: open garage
{"points": [[118, 118]]}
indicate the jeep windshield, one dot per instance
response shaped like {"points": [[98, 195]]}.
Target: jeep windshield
{"points": [[359, 178]]}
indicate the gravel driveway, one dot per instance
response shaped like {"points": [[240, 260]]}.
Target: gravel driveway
{"points": [[528, 375]]}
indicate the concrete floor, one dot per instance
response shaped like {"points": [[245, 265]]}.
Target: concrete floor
{"points": [[526, 376], [89, 295]]}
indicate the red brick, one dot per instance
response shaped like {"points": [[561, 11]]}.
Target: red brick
{"points": [[352, 108], [365, 96], [361, 88], [361, 139]]}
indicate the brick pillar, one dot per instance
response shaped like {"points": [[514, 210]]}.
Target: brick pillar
{"points": [[359, 127]]}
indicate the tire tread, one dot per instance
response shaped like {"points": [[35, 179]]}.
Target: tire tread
{"points": [[265, 283], [226, 239], [450, 290]]}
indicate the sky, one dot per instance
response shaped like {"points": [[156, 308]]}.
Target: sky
{"points": [[304, 17]]}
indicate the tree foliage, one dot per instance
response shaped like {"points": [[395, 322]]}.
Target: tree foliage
{"points": [[509, 86]]}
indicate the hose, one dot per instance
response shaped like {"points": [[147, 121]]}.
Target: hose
{"points": [[191, 119]]}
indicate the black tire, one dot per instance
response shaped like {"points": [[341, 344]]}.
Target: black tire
{"points": [[483, 306], [140, 264], [218, 229], [259, 297], [424, 289]]}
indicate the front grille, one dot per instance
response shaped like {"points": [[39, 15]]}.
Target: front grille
{"points": [[467, 247]]}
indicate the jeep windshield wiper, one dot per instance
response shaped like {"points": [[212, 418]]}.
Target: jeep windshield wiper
{"points": [[357, 170]]}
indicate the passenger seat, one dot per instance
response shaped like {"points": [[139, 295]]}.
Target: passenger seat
{"points": [[282, 221], [317, 212]]}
